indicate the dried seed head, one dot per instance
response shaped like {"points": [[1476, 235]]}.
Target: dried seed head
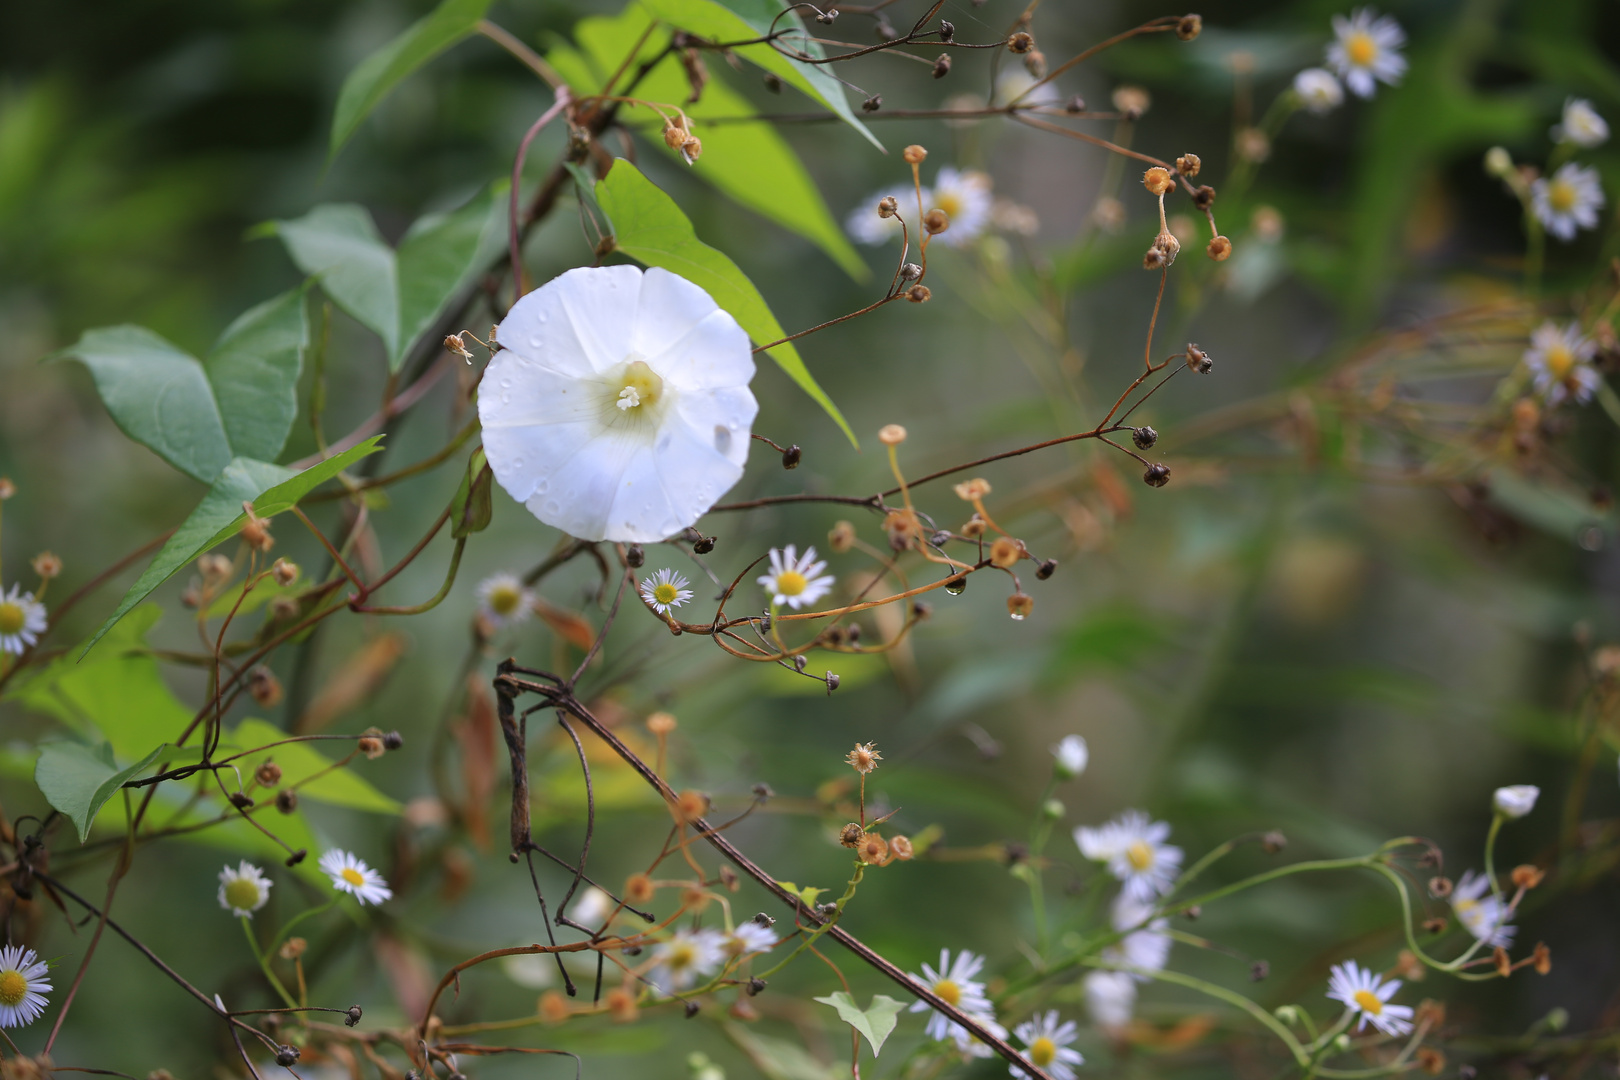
{"points": [[661, 723], [553, 1007], [371, 746], [675, 134], [841, 537], [1430, 1060], [792, 456], [1434, 926], [457, 344], [284, 572], [864, 758], [873, 850], [1198, 360], [1154, 259], [970, 490], [1219, 248], [1021, 42], [910, 272], [634, 556], [1439, 887], [287, 801], [240, 801], [1253, 145], [1158, 180], [919, 294], [393, 740], [265, 687], [1132, 101], [1006, 552], [1188, 165], [850, 835], [900, 848], [267, 774], [892, 435], [974, 527], [1157, 475], [942, 66], [887, 207], [1144, 437], [921, 610], [947, 30], [1503, 962], [1035, 63], [1273, 842], [283, 608], [936, 221], [214, 568], [1189, 27], [1541, 959], [1019, 605], [621, 1005], [352, 1016], [7, 488], [689, 806], [756, 986], [1527, 876], [1409, 967], [1047, 568], [47, 565], [255, 531], [873, 103], [832, 681], [692, 149], [704, 545], [638, 889], [914, 154]]}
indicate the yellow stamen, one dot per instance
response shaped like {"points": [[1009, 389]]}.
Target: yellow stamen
{"points": [[505, 599], [791, 583], [242, 894], [13, 987], [665, 593], [12, 618], [681, 956], [1361, 49], [352, 876], [1561, 196], [948, 992], [1043, 1051], [1559, 362], [639, 387], [1368, 1001], [1140, 855]]}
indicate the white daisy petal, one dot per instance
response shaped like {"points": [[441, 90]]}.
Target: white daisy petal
{"points": [[22, 620], [1047, 1044], [1136, 854], [353, 876], [23, 986], [1365, 994], [1581, 125], [244, 890], [1567, 201], [1366, 51]]}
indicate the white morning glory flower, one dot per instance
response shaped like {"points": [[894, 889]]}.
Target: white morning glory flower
{"points": [[1481, 912], [618, 407], [504, 600], [1319, 92], [1047, 1045], [1560, 363], [1110, 998], [1367, 994], [953, 983], [664, 590], [350, 875], [23, 986], [1517, 800], [1135, 851], [793, 580], [1069, 756], [1581, 125], [244, 890], [1568, 201], [687, 955], [1367, 51], [22, 620]]}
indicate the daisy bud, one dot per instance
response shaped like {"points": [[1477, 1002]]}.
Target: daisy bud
{"points": [[887, 207], [1157, 180], [832, 681], [1132, 101], [1019, 605], [265, 687], [1144, 437], [393, 740], [690, 806], [919, 294], [284, 572], [1157, 475], [1047, 568], [873, 103], [892, 435], [704, 545], [287, 801], [287, 1056], [1198, 360], [1188, 165], [47, 565], [692, 1009], [1516, 801], [1288, 1014], [553, 1007], [942, 66], [1498, 163], [1527, 876], [1021, 42], [1053, 810], [267, 774], [638, 889], [1439, 887], [1006, 552], [1219, 248], [1273, 842], [1430, 1060], [1541, 959], [1503, 962], [7, 488], [914, 154], [1189, 27], [841, 537], [661, 723], [1341, 1044]]}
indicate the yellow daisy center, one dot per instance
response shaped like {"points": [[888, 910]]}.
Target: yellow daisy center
{"points": [[1361, 49], [948, 992], [948, 202], [243, 894], [1561, 196], [791, 583], [681, 956], [352, 876], [1139, 855], [1559, 361], [1368, 1001], [1043, 1051], [12, 618], [1465, 907], [665, 593], [13, 987], [505, 599]]}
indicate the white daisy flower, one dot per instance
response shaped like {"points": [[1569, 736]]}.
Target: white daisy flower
{"points": [[1319, 92], [664, 590], [953, 983], [1147, 946], [22, 620], [1581, 124], [350, 875], [686, 956], [244, 890], [23, 986], [1560, 363], [866, 226], [593, 906], [618, 407], [1046, 1044], [1367, 51], [1069, 757], [1481, 912], [1569, 201], [793, 580], [1367, 994], [1015, 80], [750, 937], [504, 600], [969, 1044], [1110, 998], [964, 195], [1135, 851], [1518, 800]]}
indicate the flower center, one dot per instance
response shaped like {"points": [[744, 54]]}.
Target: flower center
{"points": [[1139, 855], [680, 957], [12, 618], [665, 593], [504, 599], [353, 876], [641, 387], [948, 992], [1361, 49], [13, 987], [948, 202], [1561, 196], [1043, 1051], [791, 583], [242, 894], [1465, 908], [1368, 1001], [1559, 361]]}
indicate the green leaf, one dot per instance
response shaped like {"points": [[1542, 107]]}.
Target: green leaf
{"points": [[650, 227], [78, 779], [270, 488], [471, 509], [440, 254], [739, 20], [338, 244], [779, 1059], [254, 371], [379, 73], [876, 1022], [750, 163], [299, 761], [808, 894]]}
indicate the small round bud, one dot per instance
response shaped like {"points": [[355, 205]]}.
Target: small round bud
{"points": [[919, 294], [1053, 810], [1132, 101], [265, 687], [675, 136], [1006, 552], [756, 986], [853, 633], [892, 435], [792, 456], [1035, 63], [1203, 196], [240, 801], [1498, 162], [267, 775], [1144, 437], [284, 572], [827, 18], [910, 272], [214, 567], [1019, 605], [371, 746], [287, 801], [352, 1016], [283, 608], [1021, 42], [47, 565], [800, 662], [692, 1008], [1273, 842], [638, 888], [921, 610], [1158, 180], [1189, 27], [1076, 104], [1157, 475], [7, 488], [841, 537], [634, 556], [1198, 361], [832, 681], [914, 154], [974, 527], [690, 805], [1188, 165], [972, 490], [1046, 569], [393, 740], [1153, 259], [936, 221], [887, 207], [947, 30], [1259, 970], [1527, 876], [1219, 248], [692, 149], [287, 1055], [942, 66], [1440, 887], [901, 847], [873, 103], [773, 83], [763, 792], [704, 544]]}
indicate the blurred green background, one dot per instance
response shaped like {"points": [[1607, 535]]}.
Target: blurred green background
{"points": [[1278, 639]]}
